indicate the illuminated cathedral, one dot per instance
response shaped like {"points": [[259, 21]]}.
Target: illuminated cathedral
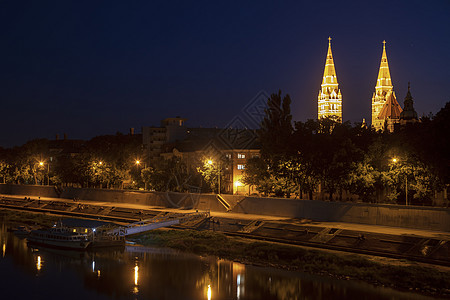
{"points": [[330, 97], [386, 111], [385, 108]]}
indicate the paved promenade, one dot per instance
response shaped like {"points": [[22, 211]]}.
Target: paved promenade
{"points": [[441, 235]]}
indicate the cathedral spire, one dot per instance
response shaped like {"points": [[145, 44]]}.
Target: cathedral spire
{"points": [[384, 76], [330, 98], [408, 114], [383, 88], [329, 73]]}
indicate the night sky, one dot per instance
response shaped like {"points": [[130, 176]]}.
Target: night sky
{"points": [[89, 68]]}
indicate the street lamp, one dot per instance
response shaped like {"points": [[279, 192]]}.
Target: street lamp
{"points": [[138, 163], [41, 163], [395, 160], [211, 163]]}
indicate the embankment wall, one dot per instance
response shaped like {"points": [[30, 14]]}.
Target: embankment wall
{"points": [[430, 218]]}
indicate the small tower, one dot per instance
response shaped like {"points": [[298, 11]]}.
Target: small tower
{"points": [[330, 97], [408, 115], [383, 88]]}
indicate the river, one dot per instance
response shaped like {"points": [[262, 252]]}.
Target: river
{"points": [[136, 272]]}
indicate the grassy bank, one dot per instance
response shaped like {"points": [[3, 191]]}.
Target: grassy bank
{"points": [[345, 266], [16, 218]]}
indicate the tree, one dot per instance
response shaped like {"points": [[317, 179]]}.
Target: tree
{"points": [[170, 175], [212, 173], [256, 173], [276, 127]]}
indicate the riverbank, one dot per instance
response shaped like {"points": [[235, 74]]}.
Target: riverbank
{"points": [[18, 218], [412, 277]]}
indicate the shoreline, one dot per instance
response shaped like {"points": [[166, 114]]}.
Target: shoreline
{"points": [[398, 274]]}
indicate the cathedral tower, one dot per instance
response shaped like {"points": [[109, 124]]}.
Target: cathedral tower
{"points": [[409, 114], [383, 92], [330, 98]]}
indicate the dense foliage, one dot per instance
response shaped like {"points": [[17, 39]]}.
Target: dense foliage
{"points": [[345, 161], [103, 161]]}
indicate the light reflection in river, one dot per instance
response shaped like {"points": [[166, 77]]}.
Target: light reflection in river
{"points": [[154, 273], [209, 292], [38, 263], [136, 279]]}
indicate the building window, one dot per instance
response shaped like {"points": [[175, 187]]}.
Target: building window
{"points": [[241, 155], [228, 156], [240, 167]]}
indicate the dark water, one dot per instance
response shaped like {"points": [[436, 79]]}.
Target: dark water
{"points": [[154, 273]]}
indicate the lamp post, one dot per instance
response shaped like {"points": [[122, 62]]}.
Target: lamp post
{"points": [[395, 160], [210, 162], [138, 163], [41, 163]]}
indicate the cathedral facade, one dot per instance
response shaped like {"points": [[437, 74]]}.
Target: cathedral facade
{"points": [[330, 97]]}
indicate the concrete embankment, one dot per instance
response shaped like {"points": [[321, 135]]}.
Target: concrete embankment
{"points": [[429, 218], [425, 246]]}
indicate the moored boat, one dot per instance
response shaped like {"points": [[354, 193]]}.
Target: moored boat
{"points": [[60, 237]]}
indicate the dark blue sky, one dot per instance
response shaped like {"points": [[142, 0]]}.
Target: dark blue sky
{"points": [[88, 68]]}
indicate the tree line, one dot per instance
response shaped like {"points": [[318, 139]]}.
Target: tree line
{"points": [[298, 159], [339, 159]]}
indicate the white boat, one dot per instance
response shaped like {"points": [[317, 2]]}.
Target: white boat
{"points": [[60, 237]]}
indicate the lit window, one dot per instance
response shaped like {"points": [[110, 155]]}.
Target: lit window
{"points": [[241, 167], [241, 155]]}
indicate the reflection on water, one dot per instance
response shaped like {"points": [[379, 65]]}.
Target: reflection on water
{"points": [[153, 273], [38, 263], [136, 278]]}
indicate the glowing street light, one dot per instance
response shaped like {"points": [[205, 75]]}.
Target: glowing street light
{"points": [[138, 163], [41, 164]]}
